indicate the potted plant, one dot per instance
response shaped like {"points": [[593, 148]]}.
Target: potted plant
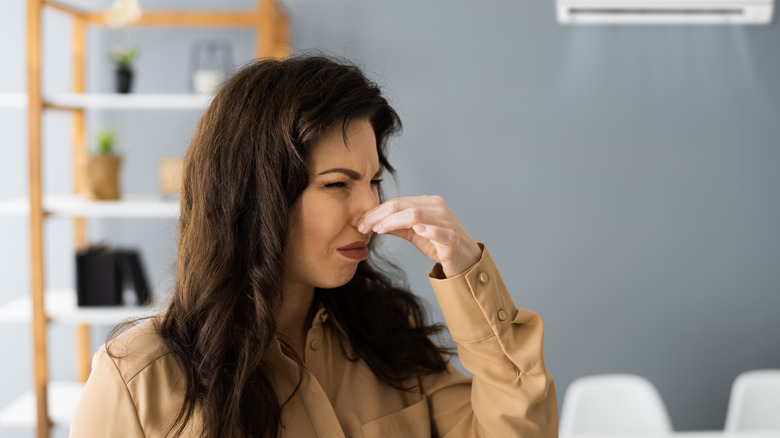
{"points": [[120, 15], [103, 168]]}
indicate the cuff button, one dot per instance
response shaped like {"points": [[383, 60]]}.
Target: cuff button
{"points": [[501, 315], [483, 277]]}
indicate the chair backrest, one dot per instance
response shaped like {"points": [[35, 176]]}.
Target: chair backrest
{"points": [[754, 403], [613, 404]]}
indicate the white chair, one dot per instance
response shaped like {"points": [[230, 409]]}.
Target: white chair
{"points": [[613, 404], [754, 403]]}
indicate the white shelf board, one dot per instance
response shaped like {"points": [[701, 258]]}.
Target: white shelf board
{"points": [[14, 207], [129, 101], [113, 101], [63, 397], [69, 205], [13, 100], [61, 306]]}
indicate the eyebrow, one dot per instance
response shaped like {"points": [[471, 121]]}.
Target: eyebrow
{"points": [[349, 172]]}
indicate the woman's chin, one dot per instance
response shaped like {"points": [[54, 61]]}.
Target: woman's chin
{"points": [[337, 281]]}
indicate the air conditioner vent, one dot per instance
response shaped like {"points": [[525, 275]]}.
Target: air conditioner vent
{"points": [[665, 11]]}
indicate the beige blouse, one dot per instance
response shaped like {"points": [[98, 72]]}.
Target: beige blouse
{"points": [[139, 393]]}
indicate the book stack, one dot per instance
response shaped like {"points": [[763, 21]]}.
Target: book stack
{"points": [[102, 273]]}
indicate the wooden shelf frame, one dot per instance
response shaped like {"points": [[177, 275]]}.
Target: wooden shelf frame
{"points": [[268, 19]]}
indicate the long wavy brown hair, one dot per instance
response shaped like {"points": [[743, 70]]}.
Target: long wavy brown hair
{"points": [[244, 170]]}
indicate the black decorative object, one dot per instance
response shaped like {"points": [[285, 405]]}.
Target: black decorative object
{"points": [[101, 273], [97, 278], [129, 263], [124, 80]]}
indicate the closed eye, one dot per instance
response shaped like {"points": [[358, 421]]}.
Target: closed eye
{"points": [[336, 185], [342, 185]]}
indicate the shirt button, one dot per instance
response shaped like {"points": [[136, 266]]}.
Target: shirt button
{"points": [[483, 277], [501, 315], [315, 345]]}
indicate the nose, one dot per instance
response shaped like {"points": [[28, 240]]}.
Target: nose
{"points": [[364, 200]]}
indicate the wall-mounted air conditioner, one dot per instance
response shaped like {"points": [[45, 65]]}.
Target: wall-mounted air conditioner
{"points": [[665, 11]]}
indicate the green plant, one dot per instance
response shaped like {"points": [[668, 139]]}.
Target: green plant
{"points": [[124, 57], [105, 141]]}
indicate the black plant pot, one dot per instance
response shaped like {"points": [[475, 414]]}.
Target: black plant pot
{"points": [[124, 80]]}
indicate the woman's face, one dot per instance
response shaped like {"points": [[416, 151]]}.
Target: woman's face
{"points": [[323, 244]]}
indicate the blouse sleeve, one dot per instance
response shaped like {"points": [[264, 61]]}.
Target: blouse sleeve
{"points": [[511, 394], [105, 407]]}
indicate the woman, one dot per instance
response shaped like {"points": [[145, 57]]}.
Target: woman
{"points": [[280, 324]]}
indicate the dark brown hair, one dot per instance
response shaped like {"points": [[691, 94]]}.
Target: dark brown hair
{"points": [[244, 170]]}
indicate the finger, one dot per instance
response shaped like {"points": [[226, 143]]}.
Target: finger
{"points": [[403, 219], [423, 244], [439, 235], [407, 234], [373, 216]]}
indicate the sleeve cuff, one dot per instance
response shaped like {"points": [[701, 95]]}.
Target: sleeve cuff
{"points": [[475, 303]]}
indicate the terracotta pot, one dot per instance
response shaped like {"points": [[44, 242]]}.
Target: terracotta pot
{"points": [[103, 177]]}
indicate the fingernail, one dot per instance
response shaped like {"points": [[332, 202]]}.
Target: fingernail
{"points": [[377, 227], [419, 228], [361, 227]]}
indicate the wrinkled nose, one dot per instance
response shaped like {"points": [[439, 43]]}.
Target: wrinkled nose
{"points": [[365, 201]]}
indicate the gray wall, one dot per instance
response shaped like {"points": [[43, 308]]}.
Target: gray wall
{"points": [[623, 177]]}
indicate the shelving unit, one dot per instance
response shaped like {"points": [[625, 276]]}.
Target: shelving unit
{"points": [[128, 101], [61, 308], [81, 101], [50, 404], [63, 397], [75, 206]]}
